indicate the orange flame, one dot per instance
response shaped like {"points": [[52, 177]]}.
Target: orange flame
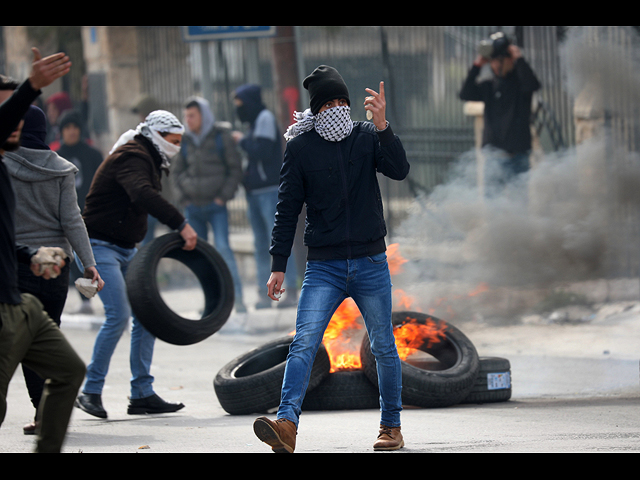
{"points": [[342, 345], [394, 259], [402, 300], [343, 352], [412, 335], [483, 287], [341, 338]]}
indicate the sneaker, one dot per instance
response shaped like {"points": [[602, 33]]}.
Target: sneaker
{"points": [[152, 404], [91, 403], [389, 439], [279, 435]]}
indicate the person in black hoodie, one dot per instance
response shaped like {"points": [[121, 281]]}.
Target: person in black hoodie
{"points": [[263, 145], [507, 99], [331, 165], [27, 334], [87, 159], [76, 150]]}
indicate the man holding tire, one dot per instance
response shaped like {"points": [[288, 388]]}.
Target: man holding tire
{"points": [[125, 190], [330, 164]]}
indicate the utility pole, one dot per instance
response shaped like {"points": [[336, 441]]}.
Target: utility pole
{"points": [[285, 74], [287, 88]]}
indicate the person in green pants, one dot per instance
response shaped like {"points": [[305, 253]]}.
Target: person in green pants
{"points": [[27, 333]]}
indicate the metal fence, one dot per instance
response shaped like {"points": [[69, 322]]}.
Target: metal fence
{"points": [[423, 68]]}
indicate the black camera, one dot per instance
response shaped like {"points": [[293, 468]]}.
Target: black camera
{"points": [[495, 47]]}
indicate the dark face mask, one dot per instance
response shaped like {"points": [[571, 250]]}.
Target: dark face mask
{"points": [[249, 111], [244, 114], [10, 145]]}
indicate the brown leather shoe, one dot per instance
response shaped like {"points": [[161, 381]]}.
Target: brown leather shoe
{"points": [[279, 435], [389, 438]]}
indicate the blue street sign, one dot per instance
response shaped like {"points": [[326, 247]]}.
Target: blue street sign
{"points": [[196, 34]]}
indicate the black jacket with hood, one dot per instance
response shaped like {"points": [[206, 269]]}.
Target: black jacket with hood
{"points": [[338, 183], [264, 153]]}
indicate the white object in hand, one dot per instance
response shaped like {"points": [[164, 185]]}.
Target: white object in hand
{"points": [[47, 258], [86, 287], [369, 115], [277, 295]]}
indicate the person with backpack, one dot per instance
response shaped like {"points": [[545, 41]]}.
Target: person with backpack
{"points": [[208, 171]]}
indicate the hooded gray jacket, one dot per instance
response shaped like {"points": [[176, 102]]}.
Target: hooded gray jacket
{"points": [[209, 165], [47, 212]]}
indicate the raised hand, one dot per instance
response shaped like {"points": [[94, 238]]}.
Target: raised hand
{"points": [[44, 71], [377, 105]]}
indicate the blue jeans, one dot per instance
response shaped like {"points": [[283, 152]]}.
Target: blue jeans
{"points": [[510, 165], [217, 216], [326, 284], [262, 212], [112, 263]]}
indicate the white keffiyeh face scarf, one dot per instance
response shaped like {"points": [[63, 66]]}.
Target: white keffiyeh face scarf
{"points": [[156, 122], [333, 125]]}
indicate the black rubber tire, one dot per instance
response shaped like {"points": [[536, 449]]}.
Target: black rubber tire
{"points": [[252, 382], [343, 390], [151, 310], [446, 385], [485, 391]]}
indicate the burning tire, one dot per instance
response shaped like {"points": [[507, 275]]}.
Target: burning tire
{"points": [[252, 382], [432, 384], [493, 383], [149, 307], [343, 390]]}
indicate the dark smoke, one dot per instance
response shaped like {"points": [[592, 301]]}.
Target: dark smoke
{"points": [[571, 218]]}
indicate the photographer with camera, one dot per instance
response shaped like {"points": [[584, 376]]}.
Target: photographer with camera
{"points": [[507, 99]]}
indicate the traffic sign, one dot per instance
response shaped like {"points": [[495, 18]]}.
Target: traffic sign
{"points": [[196, 34]]}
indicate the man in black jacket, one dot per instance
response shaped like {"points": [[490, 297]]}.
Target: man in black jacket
{"points": [[507, 101], [27, 334], [330, 164]]}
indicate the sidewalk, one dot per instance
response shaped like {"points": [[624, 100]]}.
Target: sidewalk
{"points": [[189, 302]]}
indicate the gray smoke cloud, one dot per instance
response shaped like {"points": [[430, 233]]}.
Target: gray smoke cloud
{"points": [[602, 62], [571, 218]]}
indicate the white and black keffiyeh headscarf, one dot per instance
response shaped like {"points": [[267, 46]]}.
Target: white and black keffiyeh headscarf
{"points": [[334, 124], [156, 123]]}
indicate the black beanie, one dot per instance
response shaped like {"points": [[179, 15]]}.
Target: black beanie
{"points": [[325, 84], [70, 116], [34, 130]]}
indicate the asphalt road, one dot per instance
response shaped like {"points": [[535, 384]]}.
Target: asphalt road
{"points": [[578, 393]]}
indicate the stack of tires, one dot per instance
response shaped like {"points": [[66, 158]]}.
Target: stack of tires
{"points": [[454, 374]]}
